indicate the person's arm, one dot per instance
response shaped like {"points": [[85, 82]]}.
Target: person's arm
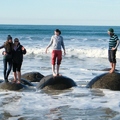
{"points": [[118, 42], [2, 46], [3, 53], [63, 46], [51, 42], [117, 39]]}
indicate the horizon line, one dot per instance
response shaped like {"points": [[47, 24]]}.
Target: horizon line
{"points": [[58, 25]]}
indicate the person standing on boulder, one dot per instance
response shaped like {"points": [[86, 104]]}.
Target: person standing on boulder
{"points": [[7, 56], [56, 42], [113, 44], [18, 51]]}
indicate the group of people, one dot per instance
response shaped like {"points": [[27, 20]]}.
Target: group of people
{"points": [[57, 41], [12, 58], [13, 54]]}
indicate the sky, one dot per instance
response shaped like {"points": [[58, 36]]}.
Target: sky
{"points": [[60, 12]]}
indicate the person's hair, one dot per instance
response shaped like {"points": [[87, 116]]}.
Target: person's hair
{"points": [[57, 30], [8, 45], [16, 39]]}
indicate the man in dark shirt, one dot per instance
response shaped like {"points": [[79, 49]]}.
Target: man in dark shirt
{"points": [[113, 44]]}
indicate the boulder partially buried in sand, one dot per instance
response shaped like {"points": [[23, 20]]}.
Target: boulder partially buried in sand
{"points": [[32, 76], [106, 81], [56, 83], [11, 86]]}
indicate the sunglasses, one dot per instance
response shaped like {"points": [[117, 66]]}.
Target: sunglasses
{"points": [[16, 41]]}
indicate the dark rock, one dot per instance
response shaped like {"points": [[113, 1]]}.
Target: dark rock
{"points": [[11, 86], [106, 81], [26, 82], [1, 81], [23, 81], [32, 76], [56, 83]]}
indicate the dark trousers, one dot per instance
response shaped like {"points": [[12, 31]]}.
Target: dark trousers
{"points": [[112, 56], [7, 62]]}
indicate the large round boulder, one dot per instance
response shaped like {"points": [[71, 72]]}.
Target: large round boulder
{"points": [[106, 81], [32, 76], [11, 86], [56, 83]]}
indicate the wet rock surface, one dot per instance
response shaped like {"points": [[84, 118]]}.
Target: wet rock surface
{"points": [[106, 81], [32, 76], [56, 83], [11, 86]]}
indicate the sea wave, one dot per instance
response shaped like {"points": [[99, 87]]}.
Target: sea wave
{"points": [[72, 52]]}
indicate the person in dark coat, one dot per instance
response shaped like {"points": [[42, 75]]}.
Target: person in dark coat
{"points": [[18, 51], [7, 57]]}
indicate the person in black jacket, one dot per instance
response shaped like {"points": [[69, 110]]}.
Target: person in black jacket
{"points": [[7, 57], [18, 51]]}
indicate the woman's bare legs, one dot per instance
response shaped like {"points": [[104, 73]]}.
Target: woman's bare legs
{"points": [[15, 76], [19, 77]]}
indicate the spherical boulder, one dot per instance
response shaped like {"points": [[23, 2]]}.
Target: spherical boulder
{"points": [[11, 86], [32, 76], [56, 83], [106, 81]]}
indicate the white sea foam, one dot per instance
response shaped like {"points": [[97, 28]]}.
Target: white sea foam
{"points": [[41, 105], [74, 52], [70, 52]]}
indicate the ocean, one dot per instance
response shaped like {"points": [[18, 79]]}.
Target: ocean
{"points": [[86, 57]]}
